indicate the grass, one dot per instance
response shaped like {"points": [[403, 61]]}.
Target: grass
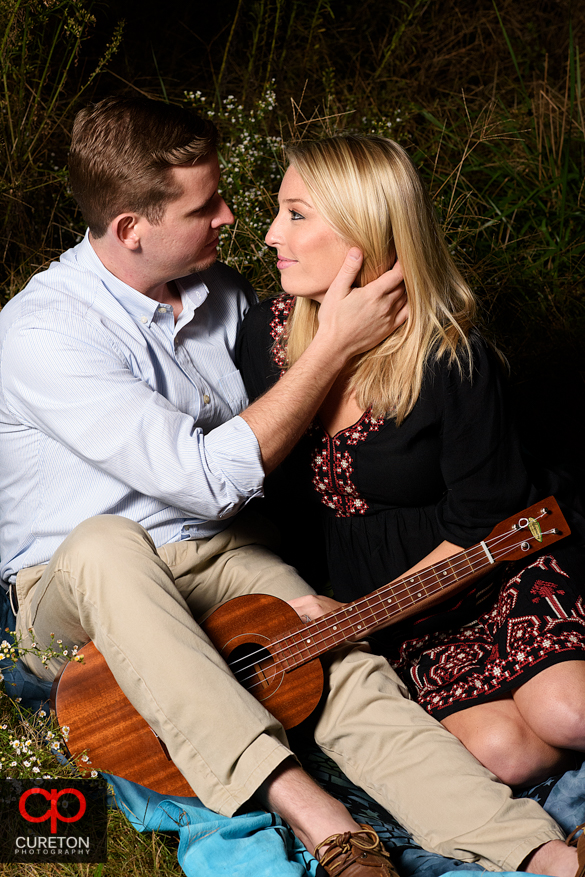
{"points": [[40, 86], [129, 852], [500, 144], [486, 96], [29, 748]]}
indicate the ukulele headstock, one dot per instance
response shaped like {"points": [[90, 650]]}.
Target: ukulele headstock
{"points": [[532, 530]]}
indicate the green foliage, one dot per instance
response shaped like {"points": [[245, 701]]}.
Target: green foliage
{"points": [[487, 98], [40, 84], [251, 160], [129, 853], [276, 34], [30, 743], [32, 746], [508, 181]]}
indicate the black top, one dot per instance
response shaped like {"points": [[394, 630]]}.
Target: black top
{"points": [[389, 494]]}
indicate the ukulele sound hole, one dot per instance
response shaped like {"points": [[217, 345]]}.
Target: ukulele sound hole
{"points": [[253, 666]]}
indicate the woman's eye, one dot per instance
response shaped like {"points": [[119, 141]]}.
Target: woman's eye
{"points": [[295, 215]]}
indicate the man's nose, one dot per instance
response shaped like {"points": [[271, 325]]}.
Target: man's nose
{"points": [[224, 215]]}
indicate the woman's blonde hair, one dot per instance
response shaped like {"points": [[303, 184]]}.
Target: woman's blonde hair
{"points": [[368, 190]]}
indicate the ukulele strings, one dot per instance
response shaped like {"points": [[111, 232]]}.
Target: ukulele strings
{"points": [[367, 613], [397, 589], [335, 629], [371, 603], [379, 597]]}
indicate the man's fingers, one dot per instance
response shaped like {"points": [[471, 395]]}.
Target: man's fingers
{"points": [[391, 281], [403, 314], [358, 319], [347, 273], [313, 606]]}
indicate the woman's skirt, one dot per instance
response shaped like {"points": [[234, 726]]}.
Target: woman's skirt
{"points": [[537, 620]]}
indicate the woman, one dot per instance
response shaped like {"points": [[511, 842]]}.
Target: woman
{"points": [[414, 458]]}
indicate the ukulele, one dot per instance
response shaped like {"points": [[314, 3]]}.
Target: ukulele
{"points": [[272, 655]]}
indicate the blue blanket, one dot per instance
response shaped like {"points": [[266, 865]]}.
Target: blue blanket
{"points": [[259, 844]]}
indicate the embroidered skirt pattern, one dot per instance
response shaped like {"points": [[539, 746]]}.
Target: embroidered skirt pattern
{"points": [[537, 620]]}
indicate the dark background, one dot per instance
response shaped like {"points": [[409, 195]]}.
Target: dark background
{"points": [[433, 63]]}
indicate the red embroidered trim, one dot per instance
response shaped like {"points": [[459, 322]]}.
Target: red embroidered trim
{"points": [[281, 308], [333, 467]]}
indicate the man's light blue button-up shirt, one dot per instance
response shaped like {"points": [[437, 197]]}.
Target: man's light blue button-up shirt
{"points": [[109, 407]]}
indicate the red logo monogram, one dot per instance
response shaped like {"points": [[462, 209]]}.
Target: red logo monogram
{"points": [[52, 813]]}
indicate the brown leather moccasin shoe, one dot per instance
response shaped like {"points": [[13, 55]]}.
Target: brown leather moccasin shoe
{"points": [[357, 854], [578, 842]]}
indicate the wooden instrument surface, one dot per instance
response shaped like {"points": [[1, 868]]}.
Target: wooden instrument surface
{"points": [[272, 655]]}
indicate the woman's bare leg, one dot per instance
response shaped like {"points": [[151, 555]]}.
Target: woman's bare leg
{"points": [[552, 704], [501, 739]]}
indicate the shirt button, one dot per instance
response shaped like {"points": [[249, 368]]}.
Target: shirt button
{"points": [[206, 399], [162, 310], [144, 319]]}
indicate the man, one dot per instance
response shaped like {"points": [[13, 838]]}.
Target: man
{"points": [[127, 451]]}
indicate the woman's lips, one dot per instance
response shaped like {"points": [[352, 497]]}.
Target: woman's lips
{"points": [[284, 263]]}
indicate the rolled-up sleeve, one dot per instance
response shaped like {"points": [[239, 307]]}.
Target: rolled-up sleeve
{"points": [[84, 397]]}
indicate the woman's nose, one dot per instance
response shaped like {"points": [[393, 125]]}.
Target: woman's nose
{"points": [[271, 235], [274, 235]]}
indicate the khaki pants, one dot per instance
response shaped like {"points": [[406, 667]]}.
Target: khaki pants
{"points": [[108, 583]]}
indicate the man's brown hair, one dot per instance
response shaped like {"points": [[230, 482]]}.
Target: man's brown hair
{"points": [[122, 152]]}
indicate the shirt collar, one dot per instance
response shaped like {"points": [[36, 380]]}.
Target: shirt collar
{"points": [[139, 306]]}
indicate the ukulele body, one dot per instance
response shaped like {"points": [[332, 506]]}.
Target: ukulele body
{"points": [[246, 632], [274, 656], [103, 722]]}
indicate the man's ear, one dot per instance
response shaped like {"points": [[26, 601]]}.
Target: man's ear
{"points": [[125, 230]]}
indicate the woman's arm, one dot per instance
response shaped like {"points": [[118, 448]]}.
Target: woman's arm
{"points": [[313, 606]]}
